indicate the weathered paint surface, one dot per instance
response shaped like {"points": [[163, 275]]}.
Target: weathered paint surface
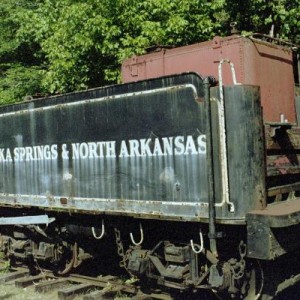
{"points": [[256, 63], [245, 149], [277, 226], [136, 149], [131, 149]]}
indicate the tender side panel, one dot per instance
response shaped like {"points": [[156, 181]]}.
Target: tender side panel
{"points": [[245, 151], [142, 151]]}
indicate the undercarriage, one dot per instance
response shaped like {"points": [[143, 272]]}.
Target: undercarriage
{"points": [[172, 264]]}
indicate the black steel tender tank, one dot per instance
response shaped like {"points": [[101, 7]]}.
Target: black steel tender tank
{"points": [[133, 149], [137, 149], [245, 150]]}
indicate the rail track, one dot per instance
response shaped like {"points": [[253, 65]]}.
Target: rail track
{"points": [[76, 286], [47, 286]]}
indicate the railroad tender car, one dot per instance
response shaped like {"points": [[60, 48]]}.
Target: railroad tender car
{"points": [[191, 167]]}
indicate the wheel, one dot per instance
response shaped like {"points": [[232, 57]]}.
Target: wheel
{"points": [[253, 286]]}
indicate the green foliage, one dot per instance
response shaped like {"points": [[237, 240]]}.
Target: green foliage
{"points": [[59, 46], [261, 15], [20, 68], [17, 82], [5, 263], [84, 42]]}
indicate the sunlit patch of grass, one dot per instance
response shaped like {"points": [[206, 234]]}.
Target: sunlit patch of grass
{"points": [[4, 263]]}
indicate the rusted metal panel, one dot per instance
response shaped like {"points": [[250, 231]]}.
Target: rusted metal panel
{"points": [[277, 215], [284, 189], [277, 226], [282, 145], [282, 138], [256, 63], [268, 243], [283, 164]]}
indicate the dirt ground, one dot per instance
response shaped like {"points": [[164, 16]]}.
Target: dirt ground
{"points": [[8, 291]]}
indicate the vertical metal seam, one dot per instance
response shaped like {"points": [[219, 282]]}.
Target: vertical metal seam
{"points": [[210, 175]]}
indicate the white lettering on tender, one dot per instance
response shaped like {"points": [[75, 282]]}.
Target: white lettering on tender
{"points": [[45, 152], [179, 145], [93, 150]]}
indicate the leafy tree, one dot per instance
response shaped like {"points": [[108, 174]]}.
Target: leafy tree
{"points": [[85, 41], [19, 67], [279, 17], [51, 46]]}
